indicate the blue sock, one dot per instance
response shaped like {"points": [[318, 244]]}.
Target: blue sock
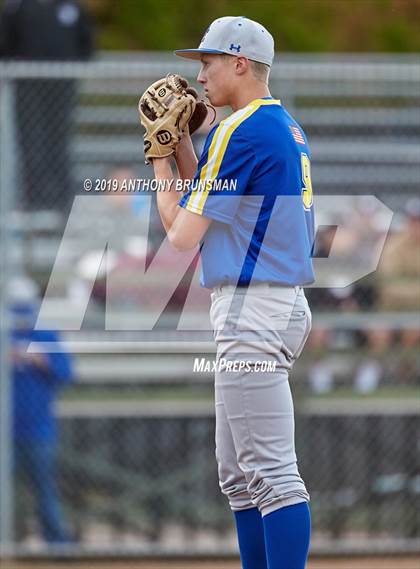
{"points": [[287, 535], [250, 530]]}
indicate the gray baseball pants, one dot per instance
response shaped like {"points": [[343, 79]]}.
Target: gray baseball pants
{"points": [[255, 447]]}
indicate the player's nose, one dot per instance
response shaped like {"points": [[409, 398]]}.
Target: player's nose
{"points": [[200, 77]]}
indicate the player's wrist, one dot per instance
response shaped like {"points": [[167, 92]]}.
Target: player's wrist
{"points": [[186, 141], [161, 163]]}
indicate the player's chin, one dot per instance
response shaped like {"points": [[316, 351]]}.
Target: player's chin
{"points": [[214, 100]]}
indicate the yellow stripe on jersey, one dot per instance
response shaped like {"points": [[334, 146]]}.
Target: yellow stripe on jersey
{"points": [[217, 151], [216, 154]]}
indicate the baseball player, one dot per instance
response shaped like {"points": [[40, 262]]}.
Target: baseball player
{"points": [[256, 244]]}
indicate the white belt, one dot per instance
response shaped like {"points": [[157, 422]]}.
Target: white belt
{"points": [[260, 287]]}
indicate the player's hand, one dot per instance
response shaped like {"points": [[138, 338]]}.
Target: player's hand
{"points": [[38, 360], [21, 356]]}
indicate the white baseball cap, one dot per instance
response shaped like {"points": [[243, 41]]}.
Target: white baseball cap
{"points": [[235, 35]]}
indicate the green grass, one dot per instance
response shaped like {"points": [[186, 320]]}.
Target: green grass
{"points": [[205, 393], [387, 392], [183, 393]]}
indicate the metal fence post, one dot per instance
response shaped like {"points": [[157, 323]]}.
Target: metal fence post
{"points": [[7, 177]]}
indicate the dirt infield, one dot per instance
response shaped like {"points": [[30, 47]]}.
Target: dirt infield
{"points": [[329, 563]]}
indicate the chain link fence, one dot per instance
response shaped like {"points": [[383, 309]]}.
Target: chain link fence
{"points": [[124, 462]]}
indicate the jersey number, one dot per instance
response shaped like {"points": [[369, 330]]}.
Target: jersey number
{"points": [[307, 195]]}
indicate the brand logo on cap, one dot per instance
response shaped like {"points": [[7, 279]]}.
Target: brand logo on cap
{"points": [[237, 48]]}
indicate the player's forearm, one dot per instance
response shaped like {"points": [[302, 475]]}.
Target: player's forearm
{"points": [[167, 200], [186, 159]]}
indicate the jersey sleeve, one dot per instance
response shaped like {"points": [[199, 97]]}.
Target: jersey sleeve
{"points": [[223, 173]]}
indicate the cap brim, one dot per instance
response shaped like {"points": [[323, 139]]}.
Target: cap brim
{"points": [[195, 53]]}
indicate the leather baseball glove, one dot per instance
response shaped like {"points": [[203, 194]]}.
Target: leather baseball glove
{"points": [[166, 108]]}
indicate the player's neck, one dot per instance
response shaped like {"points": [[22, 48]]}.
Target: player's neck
{"points": [[245, 96]]}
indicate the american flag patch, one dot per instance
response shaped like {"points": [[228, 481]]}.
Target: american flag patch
{"points": [[297, 135]]}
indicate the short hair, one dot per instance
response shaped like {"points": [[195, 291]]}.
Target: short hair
{"points": [[261, 71]]}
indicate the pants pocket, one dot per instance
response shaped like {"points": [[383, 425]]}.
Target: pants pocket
{"points": [[293, 328], [308, 317]]}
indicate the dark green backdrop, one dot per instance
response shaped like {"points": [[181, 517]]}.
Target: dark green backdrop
{"points": [[297, 25]]}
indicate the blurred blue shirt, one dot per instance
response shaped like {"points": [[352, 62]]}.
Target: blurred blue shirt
{"points": [[34, 388]]}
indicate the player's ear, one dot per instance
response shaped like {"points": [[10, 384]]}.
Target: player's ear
{"points": [[242, 65]]}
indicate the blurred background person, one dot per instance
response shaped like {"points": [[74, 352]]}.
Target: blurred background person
{"points": [[399, 269], [397, 289], [45, 30], [36, 381], [128, 219]]}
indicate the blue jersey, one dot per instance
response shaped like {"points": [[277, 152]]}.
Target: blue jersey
{"points": [[253, 181]]}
